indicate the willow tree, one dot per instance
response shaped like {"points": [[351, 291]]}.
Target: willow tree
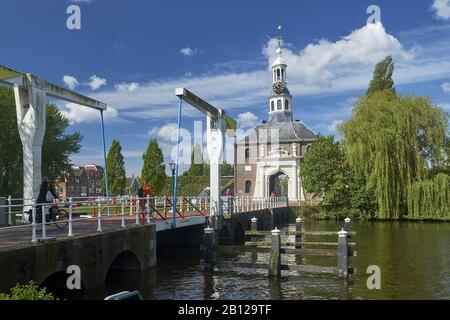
{"points": [[393, 141]]}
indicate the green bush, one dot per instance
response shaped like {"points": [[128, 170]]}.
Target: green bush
{"points": [[29, 291]]}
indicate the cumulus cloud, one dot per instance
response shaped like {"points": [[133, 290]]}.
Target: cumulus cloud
{"points": [[322, 67], [165, 132], [129, 87], [80, 114], [70, 82], [96, 82], [187, 51], [247, 120], [446, 87], [334, 125], [324, 62], [442, 9]]}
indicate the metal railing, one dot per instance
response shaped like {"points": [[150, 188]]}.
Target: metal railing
{"points": [[144, 210]]}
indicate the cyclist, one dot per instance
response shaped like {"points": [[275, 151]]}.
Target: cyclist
{"points": [[46, 195]]}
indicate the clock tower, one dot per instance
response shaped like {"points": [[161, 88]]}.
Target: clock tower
{"points": [[280, 107]]}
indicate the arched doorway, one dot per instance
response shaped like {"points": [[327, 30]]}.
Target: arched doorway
{"points": [[278, 184]]}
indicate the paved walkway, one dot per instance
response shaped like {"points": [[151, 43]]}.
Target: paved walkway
{"points": [[21, 237]]}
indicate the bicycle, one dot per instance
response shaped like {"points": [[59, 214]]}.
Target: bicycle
{"points": [[59, 216]]}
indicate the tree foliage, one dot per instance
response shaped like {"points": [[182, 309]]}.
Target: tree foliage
{"points": [[321, 163], [56, 149], [116, 170], [154, 170], [394, 141], [326, 172], [28, 291], [382, 77]]}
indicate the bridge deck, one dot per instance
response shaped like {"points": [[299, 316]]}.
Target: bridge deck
{"points": [[20, 237]]}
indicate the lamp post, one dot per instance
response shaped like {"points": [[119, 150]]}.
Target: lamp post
{"points": [[172, 166]]}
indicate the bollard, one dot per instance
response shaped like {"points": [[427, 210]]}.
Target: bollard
{"points": [[147, 208], [165, 207], [44, 223], [347, 224], [209, 249], [275, 255], [70, 233], [33, 224], [298, 235], [122, 204], [9, 211], [137, 211], [254, 227], [99, 215], [130, 201], [342, 254]]}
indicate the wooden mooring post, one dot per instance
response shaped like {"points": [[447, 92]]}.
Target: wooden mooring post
{"points": [[208, 260], [275, 248], [343, 254], [298, 233], [275, 255], [254, 227]]}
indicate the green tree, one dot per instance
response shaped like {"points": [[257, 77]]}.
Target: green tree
{"points": [[154, 170], [321, 164], [326, 172], [29, 291], [116, 170], [56, 149], [394, 141], [382, 77], [58, 145], [197, 164]]}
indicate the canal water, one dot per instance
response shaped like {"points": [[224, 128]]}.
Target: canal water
{"points": [[414, 259]]}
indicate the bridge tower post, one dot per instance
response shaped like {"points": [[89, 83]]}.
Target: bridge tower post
{"points": [[31, 114]]}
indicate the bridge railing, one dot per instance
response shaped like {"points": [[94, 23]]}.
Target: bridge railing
{"points": [[117, 211]]}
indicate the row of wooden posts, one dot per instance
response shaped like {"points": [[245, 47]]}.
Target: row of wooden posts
{"points": [[276, 249]]}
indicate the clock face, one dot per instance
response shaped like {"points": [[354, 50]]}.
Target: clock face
{"points": [[278, 87]]}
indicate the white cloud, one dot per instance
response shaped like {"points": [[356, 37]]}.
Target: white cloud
{"points": [[187, 51], [96, 82], [442, 9], [130, 87], [324, 62], [247, 120], [80, 114], [446, 87], [334, 125], [323, 67], [166, 132], [70, 82]]}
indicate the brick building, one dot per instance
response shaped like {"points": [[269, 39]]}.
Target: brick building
{"points": [[81, 182]]}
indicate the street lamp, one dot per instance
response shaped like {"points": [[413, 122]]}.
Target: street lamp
{"points": [[173, 166]]}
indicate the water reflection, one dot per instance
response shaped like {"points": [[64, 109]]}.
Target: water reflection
{"points": [[414, 259]]}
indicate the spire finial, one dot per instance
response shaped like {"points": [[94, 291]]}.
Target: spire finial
{"points": [[279, 38]]}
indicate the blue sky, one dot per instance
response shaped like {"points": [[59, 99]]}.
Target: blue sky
{"points": [[132, 54]]}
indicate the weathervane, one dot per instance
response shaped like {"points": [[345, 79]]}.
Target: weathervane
{"points": [[279, 36]]}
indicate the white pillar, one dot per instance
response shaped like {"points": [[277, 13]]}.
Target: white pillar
{"points": [[31, 111], [215, 140]]}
